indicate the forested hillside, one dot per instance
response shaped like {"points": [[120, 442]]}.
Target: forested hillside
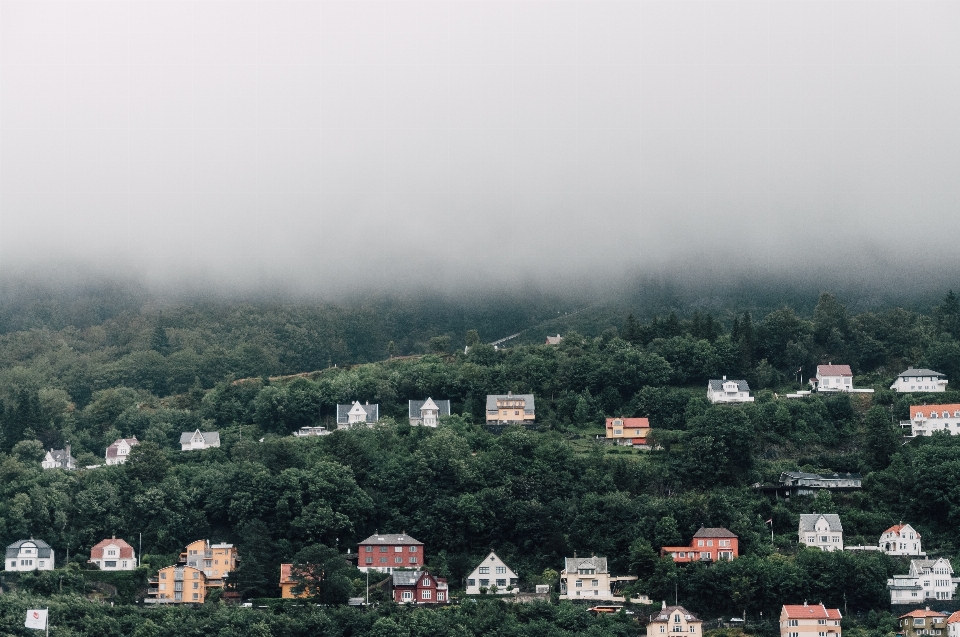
{"points": [[533, 496]]}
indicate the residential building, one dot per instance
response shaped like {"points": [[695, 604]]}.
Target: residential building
{"points": [[113, 555], [919, 380], [900, 539], [926, 580], [427, 412], [199, 440], [728, 391], [953, 625], [119, 451], [215, 561], [835, 378], [822, 530], [510, 408], [809, 620], [291, 579], [674, 620], [708, 545], [357, 414], [29, 555], [492, 574], [419, 587], [804, 483], [628, 431], [59, 459], [921, 623], [386, 552], [554, 340], [589, 578], [177, 584], [925, 419], [305, 432]]}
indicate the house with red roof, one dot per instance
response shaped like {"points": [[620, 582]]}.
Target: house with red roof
{"points": [[926, 419], [922, 622], [953, 625], [628, 431], [809, 620], [113, 555], [708, 545], [900, 539]]}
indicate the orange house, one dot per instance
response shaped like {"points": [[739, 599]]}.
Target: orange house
{"points": [[178, 585], [708, 545], [216, 561], [288, 583], [628, 431]]}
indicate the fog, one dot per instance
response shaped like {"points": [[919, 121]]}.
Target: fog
{"points": [[330, 146]]}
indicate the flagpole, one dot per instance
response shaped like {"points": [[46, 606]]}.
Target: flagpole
{"points": [[48, 621]]}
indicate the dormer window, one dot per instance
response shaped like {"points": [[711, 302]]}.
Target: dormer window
{"points": [[946, 414]]}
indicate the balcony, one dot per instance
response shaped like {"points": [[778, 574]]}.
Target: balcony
{"points": [[153, 580]]}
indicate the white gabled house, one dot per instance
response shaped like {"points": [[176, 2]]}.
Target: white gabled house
{"points": [[919, 380], [835, 378], [199, 440], [59, 459], [926, 580], [427, 412], [900, 539], [492, 572], [357, 414], [926, 419], [822, 530], [119, 451], [113, 555], [728, 391], [29, 555]]}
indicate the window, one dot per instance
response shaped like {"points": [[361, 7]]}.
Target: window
{"points": [[699, 542], [484, 570], [398, 549], [163, 576], [793, 622], [413, 549], [676, 619], [618, 432], [196, 585], [196, 596], [663, 629], [369, 560], [709, 542], [822, 622], [407, 596], [383, 549], [383, 560], [579, 583], [369, 549], [398, 560], [413, 559], [196, 575], [501, 570], [471, 582], [486, 582], [441, 596], [594, 583], [693, 629], [107, 563], [502, 583]]}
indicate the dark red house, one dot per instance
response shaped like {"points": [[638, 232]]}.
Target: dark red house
{"points": [[385, 552], [708, 545], [419, 587]]}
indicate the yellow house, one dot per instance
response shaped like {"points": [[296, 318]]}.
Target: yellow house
{"points": [[216, 561], [628, 431], [675, 620], [589, 578], [510, 408], [288, 583], [178, 585]]}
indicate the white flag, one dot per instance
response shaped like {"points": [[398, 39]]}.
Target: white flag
{"points": [[36, 619]]}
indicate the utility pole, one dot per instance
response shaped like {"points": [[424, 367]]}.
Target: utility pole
{"points": [[140, 552]]}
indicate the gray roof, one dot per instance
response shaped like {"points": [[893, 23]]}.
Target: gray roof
{"points": [[43, 549], [717, 385], [442, 405], [390, 539], [62, 458], [714, 532], [663, 614], [343, 411], [803, 475], [573, 564], [920, 372], [919, 565], [493, 398], [209, 437], [808, 521], [405, 578]]}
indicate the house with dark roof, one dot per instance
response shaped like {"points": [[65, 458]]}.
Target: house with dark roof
{"points": [[59, 459], [119, 451], [356, 413], [805, 483], [728, 391], [919, 380], [29, 555], [427, 412], [708, 545], [113, 555], [419, 587], [199, 440], [822, 530], [809, 620], [385, 552], [925, 580], [589, 578], [673, 620], [503, 409]]}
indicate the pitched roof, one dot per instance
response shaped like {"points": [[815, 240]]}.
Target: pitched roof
{"points": [[897, 527], [391, 539], [126, 551], [918, 566], [114, 448], [663, 614], [923, 612], [43, 549], [717, 385], [372, 411], [713, 532], [920, 372], [209, 437], [810, 611], [834, 370], [528, 406], [639, 423], [803, 475], [416, 405], [808, 521], [61, 457], [954, 618], [406, 578], [928, 409], [573, 564]]}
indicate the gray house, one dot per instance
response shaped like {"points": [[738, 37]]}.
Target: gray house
{"points": [[356, 413], [427, 412]]}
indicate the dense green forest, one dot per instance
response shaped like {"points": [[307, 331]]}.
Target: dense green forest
{"points": [[257, 371]]}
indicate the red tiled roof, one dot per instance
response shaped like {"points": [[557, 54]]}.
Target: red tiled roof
{"points": [[923, 613], [637, 423], [804, 611], [926, 409], [285, 574], [834, 370], [953, 619], [896, 529], [126, 551]]}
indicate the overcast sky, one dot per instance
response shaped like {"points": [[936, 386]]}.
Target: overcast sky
{"points": [[359, 143]]}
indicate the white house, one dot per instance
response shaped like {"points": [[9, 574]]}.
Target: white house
{"points": [[589, 578], [492, 571], [835, 378], [925, 419], [29, 555], [356, 413], [925, 380], [900, 539], [427, 412], [728, 391], [119, 451], [953, 625], [113, 555], [59, 459], [199, 440], [927, 579], [822, 530]]}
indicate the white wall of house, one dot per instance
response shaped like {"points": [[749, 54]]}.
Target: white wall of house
{"points": [[906, 541], [492, 571]]}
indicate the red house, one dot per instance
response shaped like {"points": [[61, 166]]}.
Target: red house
{"points": [[419, 587], [386, 552], [708, 545]]}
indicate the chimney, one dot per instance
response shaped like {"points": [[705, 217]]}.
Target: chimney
{"points": [[724, 378], [664, 606]]}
